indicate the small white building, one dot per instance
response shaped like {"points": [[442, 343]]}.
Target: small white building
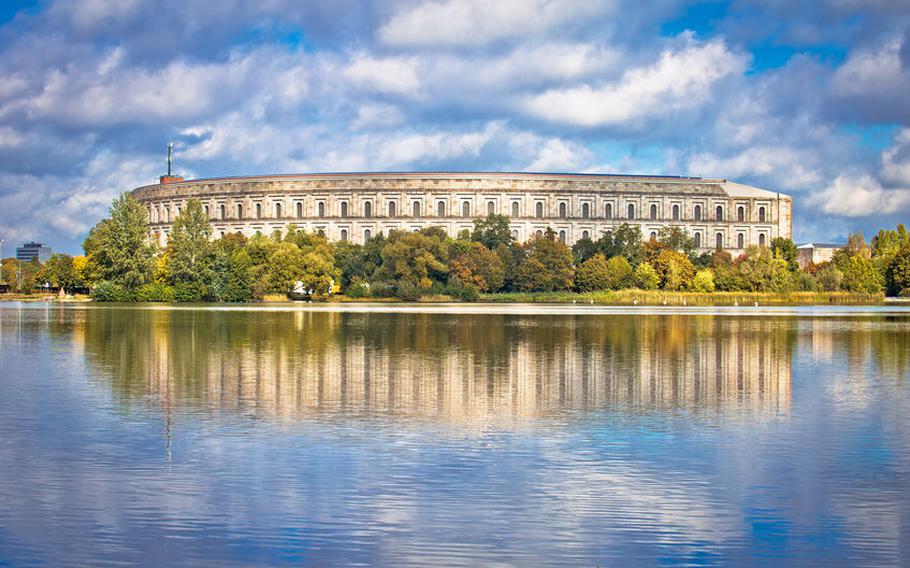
{"points": [[815, 253]]}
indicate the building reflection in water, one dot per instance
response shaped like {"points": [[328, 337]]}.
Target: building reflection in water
{"points": [[473, 369]]}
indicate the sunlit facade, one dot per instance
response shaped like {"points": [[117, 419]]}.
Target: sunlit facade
{"points": [[353, 207]]}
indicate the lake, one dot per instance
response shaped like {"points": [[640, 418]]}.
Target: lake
{"points": [[453, 436]]}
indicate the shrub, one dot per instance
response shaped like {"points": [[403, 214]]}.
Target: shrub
{"points": [[358, 288], [464, 292], [189, 292], [646, 277], [106, 291], [408, 291], [703, 281], [156, 292]]}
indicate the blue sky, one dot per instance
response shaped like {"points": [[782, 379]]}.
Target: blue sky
{"points": [[806, 98]]}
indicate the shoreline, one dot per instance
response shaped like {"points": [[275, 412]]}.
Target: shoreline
{"points": [[627, 297], [482, 308]]}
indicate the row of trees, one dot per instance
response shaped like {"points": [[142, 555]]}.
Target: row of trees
{"points": [[120, 264]]}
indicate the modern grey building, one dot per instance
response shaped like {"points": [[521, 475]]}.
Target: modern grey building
{"points": [[32, 251]]}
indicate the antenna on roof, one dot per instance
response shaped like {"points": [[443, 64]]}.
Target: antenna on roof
{"points": [[170, 157]]}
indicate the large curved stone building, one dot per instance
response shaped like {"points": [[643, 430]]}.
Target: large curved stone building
{"points": [[356, 206]]}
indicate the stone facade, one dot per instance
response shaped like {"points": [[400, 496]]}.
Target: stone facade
{"points": [[717, 212]]}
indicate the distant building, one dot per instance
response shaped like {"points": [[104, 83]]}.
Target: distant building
{"points": [[717, 213], [815, 253], [32, 251]]}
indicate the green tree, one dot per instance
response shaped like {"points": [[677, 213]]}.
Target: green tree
{"points": [[189, 247], [413, 261], [674, 269], [646, 278], [828, 277], [887, 249], [855, 262], [492, 231], [547, 266], [898, 274], [785, 249], [592, 274], [60, 272], [703, 281], [479, 267], [619, 273], [676, 238], [624, 240], [118, 247], [761, 271]]}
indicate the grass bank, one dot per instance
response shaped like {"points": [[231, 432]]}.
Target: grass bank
{"points": [[662, 298]]}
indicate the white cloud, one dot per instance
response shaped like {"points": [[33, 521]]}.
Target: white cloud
{"points": [[479, 22], [679, 80], [375, 115], [396, 75], [557, 155], [860, 195], [789, 167], [870, 71], [896, 160]]}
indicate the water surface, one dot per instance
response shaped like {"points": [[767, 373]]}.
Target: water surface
{"points": [[522, 436]]}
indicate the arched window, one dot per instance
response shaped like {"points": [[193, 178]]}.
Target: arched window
{"points": [[653, 236], [719, 213], [697, 240], [761, 239], [585, 235], [491, 208], [167, 214], [514, 235], [631, 211], [562, 236], [515, 211], [676, 212], [391, 208], [221, 212], [416, 208], [344, 234], [320, 209], [585, 211], [563, 211], [608, 211], [205, 209], [653, 212], [240, 211], [761, 214], [719, 241], [740, 213], [539, 233], [538, 209], [466, 209], [740, 241], [259, 210], [367, 209], [441, 209], [299, 210], [278, 211], [367, 235], [698, 212], [344, 208]]}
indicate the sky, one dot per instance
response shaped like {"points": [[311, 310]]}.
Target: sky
{"points": [[808, 98]]}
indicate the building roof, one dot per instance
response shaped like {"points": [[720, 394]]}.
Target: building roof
{"points": [[821, 246]]}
